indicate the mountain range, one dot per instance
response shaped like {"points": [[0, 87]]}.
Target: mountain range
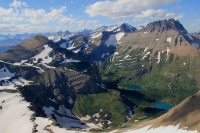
{"points": [[106, 79]]}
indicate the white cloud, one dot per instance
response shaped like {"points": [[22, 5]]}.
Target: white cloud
{"points": [[137, 9], [173, 15], [40, 16], [19, 18], [18, 4], [29, 28], [152, 14], [149, 14], [34, 16]]}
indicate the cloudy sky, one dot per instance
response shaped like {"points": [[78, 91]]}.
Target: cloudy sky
{"points": [[30, 16]]}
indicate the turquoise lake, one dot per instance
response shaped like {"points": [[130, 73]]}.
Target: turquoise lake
{"points": [[162, 105]]}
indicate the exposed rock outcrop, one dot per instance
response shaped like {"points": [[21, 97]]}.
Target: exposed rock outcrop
{"points": [[165, 25]]}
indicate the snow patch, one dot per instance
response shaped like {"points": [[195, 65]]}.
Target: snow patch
{"points": [[145, 50], [84, 71], [64, 117], [70, 100], [169, 39], [77, 50], [157, 39], [104, 55], [111, 28], [14, 83], [116, 53], [99, 125], [70, 45], [127, 57], [119, 36], [63, 45], [190, 37], [148, 53], [96, 115], [158, 57], [40, 70], [86, 118], [70, 60], [96, 35], [168, 50], [109, 122], [20, 63]]}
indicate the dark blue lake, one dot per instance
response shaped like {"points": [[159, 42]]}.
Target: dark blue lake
{"points": [[133, 87], [162, 105]]}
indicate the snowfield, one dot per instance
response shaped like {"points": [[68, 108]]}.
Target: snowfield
{"points": [[119, 36], [15, 117], [114, 39], [166, 129], [44, 55]]}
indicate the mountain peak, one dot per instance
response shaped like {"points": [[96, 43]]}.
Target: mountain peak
{"points": [[165, 25], [127, 28], [39, 36], [85, 31], [36, 41]]}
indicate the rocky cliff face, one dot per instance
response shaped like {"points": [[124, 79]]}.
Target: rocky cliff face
{"points": [[127, 28], [165, 25]]}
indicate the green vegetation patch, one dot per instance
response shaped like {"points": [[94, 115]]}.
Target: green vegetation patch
{"points": [[107, 104]]}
